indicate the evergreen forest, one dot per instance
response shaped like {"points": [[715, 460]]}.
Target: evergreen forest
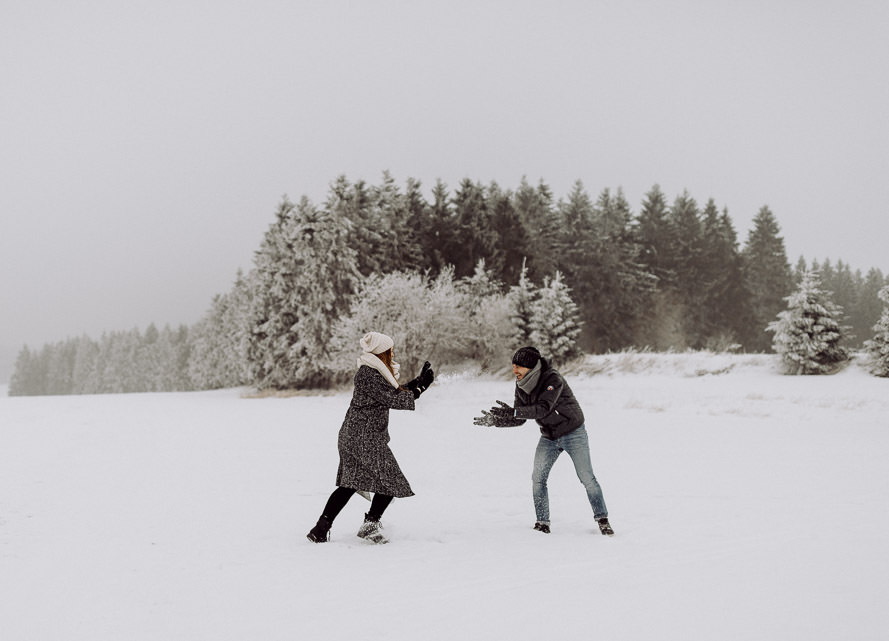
{"points": [[462, 278]]}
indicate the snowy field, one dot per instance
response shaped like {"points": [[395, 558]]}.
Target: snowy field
{"points": [[747, 505]]}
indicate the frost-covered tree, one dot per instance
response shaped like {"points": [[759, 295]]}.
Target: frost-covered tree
{"points": [[520, 301], [424, 317], [555, 325], [121, 374], [84, 373], [59, 358], [869, 306], [878, 347], [493, 334], [365, 229], [808, 333], [486, 308], [26, 379], [400, 249], [219, 341], [481, 284], [173, 350], [306, 272]]}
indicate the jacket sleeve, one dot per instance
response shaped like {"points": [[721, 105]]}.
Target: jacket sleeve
{"points": [[546, 401], [379, 389]]}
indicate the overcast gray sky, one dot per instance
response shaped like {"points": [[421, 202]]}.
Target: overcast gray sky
{"points": [[145, 145]]}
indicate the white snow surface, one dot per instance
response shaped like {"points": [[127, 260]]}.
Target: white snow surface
{"points": [[746, 505]]}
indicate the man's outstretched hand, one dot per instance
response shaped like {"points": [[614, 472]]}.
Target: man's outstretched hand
{"points": [[502, 410], [491, 419]]}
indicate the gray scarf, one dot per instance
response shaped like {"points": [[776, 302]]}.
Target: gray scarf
{"points": [[529, 381]]}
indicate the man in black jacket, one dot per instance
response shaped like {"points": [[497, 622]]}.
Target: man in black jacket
{"points": [[543, 395]]}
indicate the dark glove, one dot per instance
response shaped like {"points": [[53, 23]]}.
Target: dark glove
{"points": [[487, 419], [426, 375], [423, 381], [503, 411]]}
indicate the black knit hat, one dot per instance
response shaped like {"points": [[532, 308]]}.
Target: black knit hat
{"points": [[526, 357]]}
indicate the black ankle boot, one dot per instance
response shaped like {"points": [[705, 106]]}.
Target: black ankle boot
{"points": [[321, 532]]}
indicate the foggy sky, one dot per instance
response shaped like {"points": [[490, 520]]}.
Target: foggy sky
{"points": [[145, 145]]}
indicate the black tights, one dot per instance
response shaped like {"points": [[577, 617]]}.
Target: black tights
{"points": [[341, 496]]}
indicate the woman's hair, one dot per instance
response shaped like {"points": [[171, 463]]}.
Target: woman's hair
{"points": [[386, 357]]}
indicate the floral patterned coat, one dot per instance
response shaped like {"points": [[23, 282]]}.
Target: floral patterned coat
{"points": [[366, 462]]}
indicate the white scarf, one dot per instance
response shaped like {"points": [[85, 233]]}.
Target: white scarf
{"points": [[372, 360]]}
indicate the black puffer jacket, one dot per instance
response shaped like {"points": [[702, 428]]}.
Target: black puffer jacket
{"points": [[551, 404]]}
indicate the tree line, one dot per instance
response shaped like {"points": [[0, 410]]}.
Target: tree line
{"points": [[465, 275]]}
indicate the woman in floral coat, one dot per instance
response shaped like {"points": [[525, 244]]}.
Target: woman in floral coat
{"points": [[366, 462]]}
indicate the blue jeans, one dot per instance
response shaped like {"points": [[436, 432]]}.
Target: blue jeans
{"points": [[577, 445]]}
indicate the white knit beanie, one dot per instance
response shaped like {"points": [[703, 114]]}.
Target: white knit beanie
{"points": [[376, 343]]}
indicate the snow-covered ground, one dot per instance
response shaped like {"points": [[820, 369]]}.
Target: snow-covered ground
{"points": [[747, 505]]}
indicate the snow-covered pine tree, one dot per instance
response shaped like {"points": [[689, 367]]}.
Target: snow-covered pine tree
{"points": [[655, 235], [475, 236], [767, 275], [366, 230], [207, 367], [512, 240], [400, 248], [439, 236], [869, 306], [536, 210], [624, 289], [521, 297], [174, 349], [26, 379], [84, 365], [151, 362], [555, 322], [661, 321], [878, 347], [59, 359], [306, 272], [236, 324], [218, 342], [481, 284], [121, 375], [726, 315], [686, 253], [808, 333]]}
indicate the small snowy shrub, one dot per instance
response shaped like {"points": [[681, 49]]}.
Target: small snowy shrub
{"points": [[808, 332], [555, 323], [489, 312], [520, 300], [424, 317]]}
